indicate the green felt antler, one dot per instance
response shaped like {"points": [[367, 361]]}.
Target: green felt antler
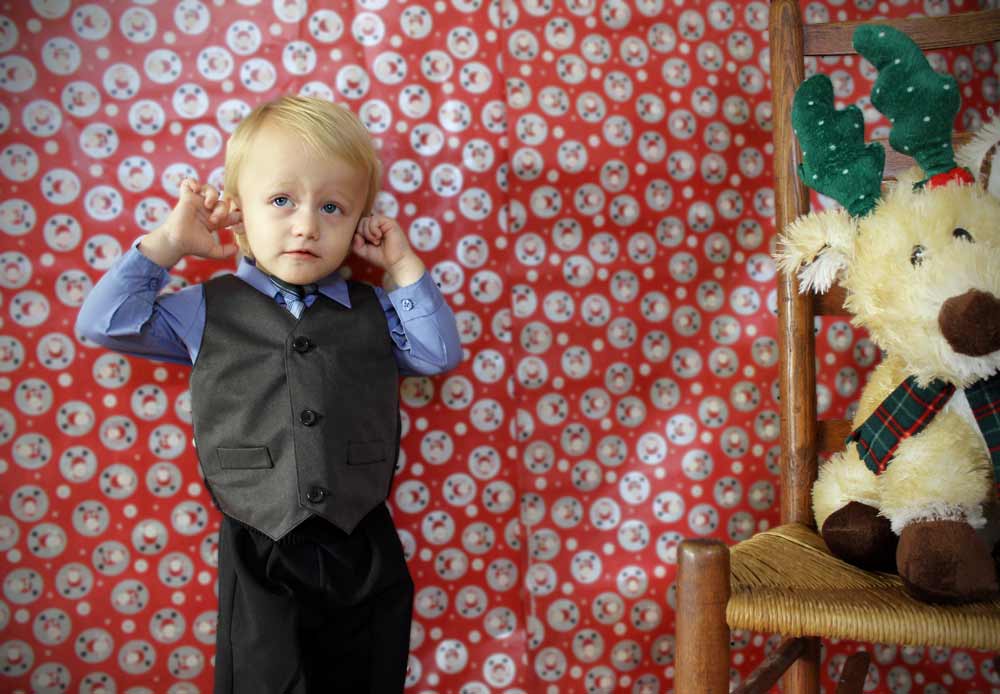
{"points": [[920, 103], [835, 159]]}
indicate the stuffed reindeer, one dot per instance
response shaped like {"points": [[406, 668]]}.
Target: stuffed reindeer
{"points": [[921, 267]]}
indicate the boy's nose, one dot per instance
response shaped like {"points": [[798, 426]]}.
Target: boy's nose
{"points": [[306, 225]]}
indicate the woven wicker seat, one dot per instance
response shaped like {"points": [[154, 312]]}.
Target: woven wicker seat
{"points": [[823, 595], [784, 580]]}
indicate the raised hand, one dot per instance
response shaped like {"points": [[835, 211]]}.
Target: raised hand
{"points": [[192, 227], [380, 241]]}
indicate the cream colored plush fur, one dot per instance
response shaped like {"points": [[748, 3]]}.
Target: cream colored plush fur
{"points": [[980, 157], [944, 471]]}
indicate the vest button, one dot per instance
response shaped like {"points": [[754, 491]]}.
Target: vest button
{"points": [[315, 495], [308, 417], [301, 344]]}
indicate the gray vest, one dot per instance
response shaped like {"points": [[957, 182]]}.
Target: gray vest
{"points": [[295, 417]]}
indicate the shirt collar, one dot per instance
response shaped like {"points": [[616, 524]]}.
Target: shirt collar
{"points": [[333, 286]]}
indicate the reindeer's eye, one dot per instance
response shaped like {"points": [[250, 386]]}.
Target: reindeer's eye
{"points": [[917, 256], [960, 233]]}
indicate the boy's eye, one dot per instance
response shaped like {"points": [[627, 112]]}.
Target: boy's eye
{"points": [[330, 208], [280, 201]]}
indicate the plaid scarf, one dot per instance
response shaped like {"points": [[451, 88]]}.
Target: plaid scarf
{"points": [[909, 408]]}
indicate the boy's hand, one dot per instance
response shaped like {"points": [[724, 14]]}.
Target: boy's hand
{"points": [[190, 228], [380, 241]]}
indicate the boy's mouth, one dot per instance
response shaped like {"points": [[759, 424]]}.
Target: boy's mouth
{"points": [[301, 253]]}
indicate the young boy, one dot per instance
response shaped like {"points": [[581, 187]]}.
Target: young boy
{"points": [[294, 394]]}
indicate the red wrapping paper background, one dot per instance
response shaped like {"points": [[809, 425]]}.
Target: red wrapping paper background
{"points": [[589, 183]]}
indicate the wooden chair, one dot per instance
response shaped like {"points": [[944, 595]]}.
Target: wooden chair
{"points": [[784, 580]]}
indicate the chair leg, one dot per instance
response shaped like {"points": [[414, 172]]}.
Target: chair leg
{"points": [[702, 631], [854, 674], [803, 676]]}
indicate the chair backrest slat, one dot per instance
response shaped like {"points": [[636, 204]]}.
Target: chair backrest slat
{"points": [[966, 29], [831, 303], [896, 163], [831, 434]]}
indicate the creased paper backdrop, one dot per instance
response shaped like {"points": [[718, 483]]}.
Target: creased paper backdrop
{"points": [[590, 182]]}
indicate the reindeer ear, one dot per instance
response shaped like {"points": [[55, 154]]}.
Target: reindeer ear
{"points": [[817, 247], [980, 156]]}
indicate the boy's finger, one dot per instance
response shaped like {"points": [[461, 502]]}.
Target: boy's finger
{"points": [[188, 187], [219, 212], [358, 243], [211, 196], [226, 249], [219, 251]]}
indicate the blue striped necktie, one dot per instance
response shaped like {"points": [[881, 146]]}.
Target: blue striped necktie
{"points": [[293, 294]]}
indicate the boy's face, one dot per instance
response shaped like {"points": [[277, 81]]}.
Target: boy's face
{"points": [[300, 208]]}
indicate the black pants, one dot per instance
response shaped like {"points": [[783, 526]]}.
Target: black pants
{"points": [[318, 612]]}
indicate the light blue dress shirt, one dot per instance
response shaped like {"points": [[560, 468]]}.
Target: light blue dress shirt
{"points": [[125, 312]]}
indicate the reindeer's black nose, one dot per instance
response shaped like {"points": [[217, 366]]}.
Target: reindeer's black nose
{"points": [[970, 323]]}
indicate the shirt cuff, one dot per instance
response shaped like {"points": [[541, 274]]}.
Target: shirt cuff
{"points": [[422, 298], [135, 265]]}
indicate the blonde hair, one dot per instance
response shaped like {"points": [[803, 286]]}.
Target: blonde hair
{"points": [[326, 128]]}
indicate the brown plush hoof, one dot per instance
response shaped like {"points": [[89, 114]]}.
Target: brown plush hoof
{"points": [[859, 536], [945, 561]]}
